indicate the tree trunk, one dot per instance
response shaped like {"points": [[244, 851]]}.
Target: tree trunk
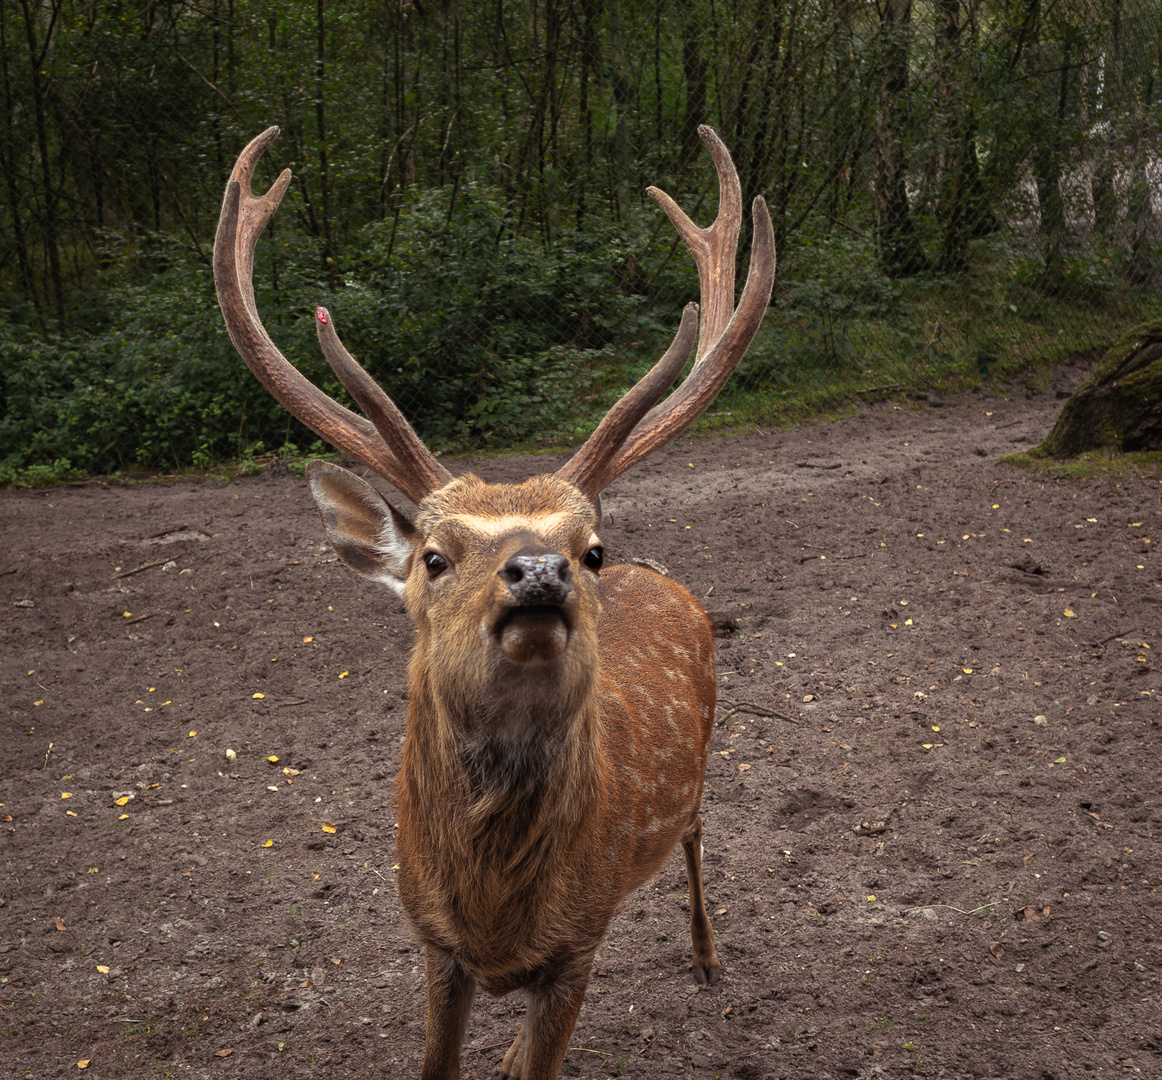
{"points": [[1105, 200], [49, 199], [694, 72], [321, 131], [964, 207], [900, 251], [1119, 407]]}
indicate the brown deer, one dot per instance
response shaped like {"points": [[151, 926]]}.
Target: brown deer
{"points": [[560, 713]]}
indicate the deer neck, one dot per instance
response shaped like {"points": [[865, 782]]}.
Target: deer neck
{"points": [[524, 753]]}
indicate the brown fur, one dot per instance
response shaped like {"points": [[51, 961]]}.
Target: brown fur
{"points": [[533, 797]]}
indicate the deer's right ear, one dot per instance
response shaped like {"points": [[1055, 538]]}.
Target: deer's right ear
{"points": [[369, 534]]}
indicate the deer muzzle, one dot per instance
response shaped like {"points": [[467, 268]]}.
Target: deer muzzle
{"points": [[539, 585]]}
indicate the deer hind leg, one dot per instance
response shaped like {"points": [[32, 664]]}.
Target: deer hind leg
{"points": [[706, 966], [450, 993], [554, 1002]]}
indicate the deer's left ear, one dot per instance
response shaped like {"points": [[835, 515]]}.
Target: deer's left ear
{"points": [[369, 534]]}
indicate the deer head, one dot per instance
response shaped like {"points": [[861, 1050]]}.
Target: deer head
{"points": [[521, 560]]}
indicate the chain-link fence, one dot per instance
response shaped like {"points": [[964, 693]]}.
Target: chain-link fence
{"points": [[958, 187]]}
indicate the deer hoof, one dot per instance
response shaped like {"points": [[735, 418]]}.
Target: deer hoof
{"points": [[707, 976]]}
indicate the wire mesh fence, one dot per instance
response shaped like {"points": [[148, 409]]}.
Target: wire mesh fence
{"points": [[958, 188]]}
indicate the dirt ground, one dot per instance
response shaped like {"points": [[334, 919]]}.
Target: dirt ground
{"points": [[933, 831]]}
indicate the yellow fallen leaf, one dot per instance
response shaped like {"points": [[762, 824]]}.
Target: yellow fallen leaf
{"points": [[66, 794], [40, 702], [269, 843], [344, 674], [94, 869], [258, 695], [272, 759], [314, 875], [84, 1064], [329, 828], [935, 728], [308, 640], [967, 670], [70, 813], [871, 898], [1068, 613], [927, 745], [127, 614], [121, 801], [907, 622], [103, 969], [123, 817], [193, 735]]}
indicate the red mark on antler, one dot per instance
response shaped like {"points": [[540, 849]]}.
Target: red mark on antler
{"points": [[321, 315]]}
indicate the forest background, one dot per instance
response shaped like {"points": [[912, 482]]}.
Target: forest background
{"points": [[959, 188]]}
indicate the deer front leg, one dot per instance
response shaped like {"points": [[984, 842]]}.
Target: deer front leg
{"points": [[554, 1002], [450, 993], [706, 966]]}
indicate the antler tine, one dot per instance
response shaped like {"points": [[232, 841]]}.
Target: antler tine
{"points": [[415, 461], [709, 373], [586, 468], [243, 218], [714, 247], [723, 338]]}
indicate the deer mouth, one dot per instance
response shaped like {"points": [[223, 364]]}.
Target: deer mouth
{"points": [[532, 633]]}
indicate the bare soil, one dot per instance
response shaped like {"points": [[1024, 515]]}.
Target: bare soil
{"points": [[933, 828]]}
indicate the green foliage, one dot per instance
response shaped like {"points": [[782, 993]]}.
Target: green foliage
{"points": [[482, 336]]}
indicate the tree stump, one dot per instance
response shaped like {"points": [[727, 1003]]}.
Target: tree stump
{"points": [[1119, 407]]}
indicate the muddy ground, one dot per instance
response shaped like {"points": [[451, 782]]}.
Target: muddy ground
{"points": [[932, 817]]}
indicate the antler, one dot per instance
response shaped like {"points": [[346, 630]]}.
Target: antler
{"points": [[386, 444], [632, 429]]}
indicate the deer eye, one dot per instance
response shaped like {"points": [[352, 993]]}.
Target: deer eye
{"points": [[435, 563], [594, 558]]}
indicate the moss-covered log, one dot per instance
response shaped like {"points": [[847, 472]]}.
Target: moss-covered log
{"points": [[1119, 407]]}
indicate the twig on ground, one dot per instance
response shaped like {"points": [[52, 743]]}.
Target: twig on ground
{"points": [[1107, 640], [137, 570], [165, 532], [490, 1046], [757, 710], [959, 911]]}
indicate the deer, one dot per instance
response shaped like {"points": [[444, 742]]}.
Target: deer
{"points": [[560, 711]]}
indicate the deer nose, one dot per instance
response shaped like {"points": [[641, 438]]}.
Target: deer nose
{"points": [[538, 578]]}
